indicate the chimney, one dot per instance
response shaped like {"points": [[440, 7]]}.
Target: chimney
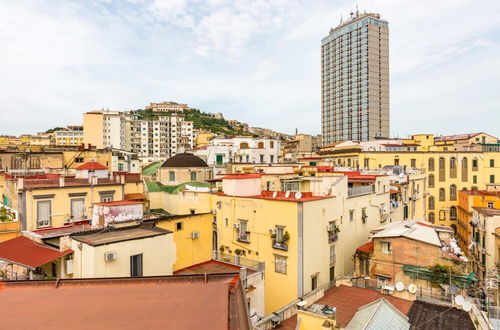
{"points": [[61, 181]]}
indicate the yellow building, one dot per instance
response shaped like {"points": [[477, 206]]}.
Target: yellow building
{"points": [[52, 200], [203, 139], [192, 235], [306, 235], [447, 170], [182, 168]]}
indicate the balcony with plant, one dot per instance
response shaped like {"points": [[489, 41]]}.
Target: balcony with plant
{"points": [[243, 236], [333, 233], [280, 243]]}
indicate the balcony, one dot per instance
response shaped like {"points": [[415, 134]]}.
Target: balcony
{"points": [[280, 245], [243, 237], [362, 190]]}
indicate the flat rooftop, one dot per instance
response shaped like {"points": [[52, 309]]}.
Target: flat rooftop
{"points": [[115, 235], [211, 267]]}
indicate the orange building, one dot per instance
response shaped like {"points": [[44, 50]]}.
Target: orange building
{"points": [[467, 199]]}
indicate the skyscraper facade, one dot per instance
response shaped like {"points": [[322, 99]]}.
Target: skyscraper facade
{"points": [[355, 80]]}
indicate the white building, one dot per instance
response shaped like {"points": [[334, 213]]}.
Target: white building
{"points": [[154, 140], [69, 136], [221, 151], [104, 129], [167, 106]]}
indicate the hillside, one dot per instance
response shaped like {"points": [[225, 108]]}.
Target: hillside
{"points": [[201, 120]]}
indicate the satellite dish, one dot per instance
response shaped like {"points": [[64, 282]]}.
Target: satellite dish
{"points": [[275, 194], [298, 195], [287, 194], [412, 288], [459, 300], [467, 306], [453, 289], [401, 175], [400, 286]]}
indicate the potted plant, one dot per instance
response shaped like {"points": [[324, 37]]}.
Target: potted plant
{"points": [[285, 238], [238, 252]]}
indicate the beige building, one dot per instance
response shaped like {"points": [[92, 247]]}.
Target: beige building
{"points": [[183, 168], [104, 129], [167, 106], [485, 251], [135, 251], [355, 79]]}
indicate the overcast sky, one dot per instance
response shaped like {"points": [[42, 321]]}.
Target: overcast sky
{"points": [[255, 61]]}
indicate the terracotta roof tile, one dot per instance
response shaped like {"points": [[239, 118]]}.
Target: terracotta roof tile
{"points": [[25, 252], [92, 166]]}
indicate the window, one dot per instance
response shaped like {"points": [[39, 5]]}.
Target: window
{"points": [[366, 163], [474, 179], [491, 205], [260, 145], [243, 233], [193, 176], [431, 164], [386, 247], [280, 264], [453, 167], [413, 163], [106, 198], [43, 213], [442, 195], [364, 217], [219, 159], [271, 144], [474, 164], [136, 265], [432, 217], [431, 203], [453, 192], [261, 158], [243, 145], [226, 220], [120, 167], [179, 226], [453, 213], [77, 209], [492, 163], [192, 211], [465, 171], [34, 162], [431, 180], [442, 174], [492, 178], [171, 176], [314, 282], [351, 215], [79, 160], [442, 215], [333, 257]]}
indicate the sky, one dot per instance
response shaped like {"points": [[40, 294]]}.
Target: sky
{"points": [[257, 61]]}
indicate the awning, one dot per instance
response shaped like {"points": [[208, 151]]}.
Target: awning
{"points": [[25, 252]]}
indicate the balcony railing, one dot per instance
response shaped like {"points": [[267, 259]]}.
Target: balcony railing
{"points": [[244, 237], [240, 261], [280, 245], [362, 190]]}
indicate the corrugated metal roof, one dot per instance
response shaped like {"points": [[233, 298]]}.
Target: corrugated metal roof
{"points": [[380, 314], [25, 252], [410, 229]]}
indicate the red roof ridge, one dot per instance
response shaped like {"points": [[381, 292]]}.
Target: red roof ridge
{"points": [[92, 165]]}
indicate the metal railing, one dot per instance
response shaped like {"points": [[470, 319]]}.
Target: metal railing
{"points": [[362, 190], [240, 261]]}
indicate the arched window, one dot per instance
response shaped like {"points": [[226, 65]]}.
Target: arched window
{"points": [[465, 170], [442, 215], [442, 174], [432, 217], [454, 227], [431, 180], [431, 164], [243, 145], [442, 195], [431, 203], [453, 192], [260, 145], [453, 213], [453, 167]]}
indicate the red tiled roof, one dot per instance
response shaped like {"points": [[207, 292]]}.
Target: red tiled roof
{"points": [[348, 299], [366, 248], [25, 252], [241, 176], [487, 211], [118, 203], [212, 301], [456, 137], [92, 166]]}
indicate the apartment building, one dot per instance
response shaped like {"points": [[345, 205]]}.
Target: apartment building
{"points": [[69, 136], [355, 80], [167, 106], [305, 230], [302, 145], [104, 129], [222, 151], [155, 140], [448, 170]]}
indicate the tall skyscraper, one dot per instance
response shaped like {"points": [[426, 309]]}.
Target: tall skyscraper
{"points": [[355, 80]]}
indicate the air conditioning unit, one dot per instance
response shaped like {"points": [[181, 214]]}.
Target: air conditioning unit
{"points": [[195, 234], [110, 256]]}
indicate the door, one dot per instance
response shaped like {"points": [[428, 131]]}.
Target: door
{"points": [[136, 265]]}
